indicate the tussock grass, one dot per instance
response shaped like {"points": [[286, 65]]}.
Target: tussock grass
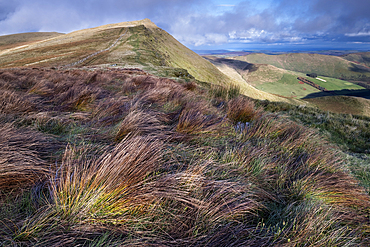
{"points": [[11, 102], [139, 122], [192, 121], [20, 163], [109, 188], [48, 122], [224, 92], [120, 157], [241, 109], [110, 111]]}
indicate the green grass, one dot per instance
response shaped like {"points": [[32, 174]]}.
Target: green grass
{"points": [[351, 132], [287, 86], [335, 84]]}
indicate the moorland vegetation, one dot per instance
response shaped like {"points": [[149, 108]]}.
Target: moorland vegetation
{"points": [[119, 157]]}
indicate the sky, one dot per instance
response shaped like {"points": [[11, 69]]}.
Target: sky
{"points": [[208, 24]]}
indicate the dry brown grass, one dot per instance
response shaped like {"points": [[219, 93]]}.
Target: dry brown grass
{"points": [[161, 91], [111, 110], [14, 103], [109, 186], [190, 85], [242, 110], [192, 121], [138, 122], [20, 163]]}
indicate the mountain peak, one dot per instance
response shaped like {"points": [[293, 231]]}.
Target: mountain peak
{"points": [[146, 22]]}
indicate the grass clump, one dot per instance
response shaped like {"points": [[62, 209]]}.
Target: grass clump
{"points": [[241, 110], [224, 92], [108, 188]]}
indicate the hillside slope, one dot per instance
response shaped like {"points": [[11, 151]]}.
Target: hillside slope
{"points": [[16, 40], [144, 44], [343, 104], [137, 44], [282, 82], [244, 75], [325, 65], [361, 58]]}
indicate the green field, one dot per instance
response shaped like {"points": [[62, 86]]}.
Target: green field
{"points": [[287, 86], [335, 84]]}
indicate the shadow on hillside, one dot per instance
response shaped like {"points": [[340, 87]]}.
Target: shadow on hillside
{"points": [[235, 64], [359, 68], [363, 93]]}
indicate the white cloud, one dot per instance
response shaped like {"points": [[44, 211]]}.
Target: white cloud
{"points": [[359, 34], [195, 22]]}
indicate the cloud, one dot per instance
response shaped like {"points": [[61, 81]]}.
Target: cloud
{"points": [[69, 15], [200, 23], [358, 34], [287, 21]]}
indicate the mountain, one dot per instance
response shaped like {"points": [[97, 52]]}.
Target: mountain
{"points": [[136, 44]]}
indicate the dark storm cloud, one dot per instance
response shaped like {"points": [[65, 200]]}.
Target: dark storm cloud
{"points": [[196, 22]]}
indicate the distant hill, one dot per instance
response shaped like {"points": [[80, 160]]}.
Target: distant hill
{"points": [[360, 58], [324, 65], [284, 83], [278, 81], [16, 40]]}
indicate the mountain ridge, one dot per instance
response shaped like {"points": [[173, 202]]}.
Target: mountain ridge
{"points": [[145, 46]]}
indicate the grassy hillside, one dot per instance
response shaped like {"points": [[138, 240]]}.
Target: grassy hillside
{"points": [[323, 65], [343, 104], [333, 84], [271, 79], [118, 157], [241, 73], [142, 45], [16, 40], [361, 58], [138, 44], [278, 81]]}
